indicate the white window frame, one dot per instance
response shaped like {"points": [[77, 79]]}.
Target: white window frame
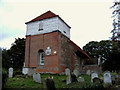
{"points": [[41, 58]]}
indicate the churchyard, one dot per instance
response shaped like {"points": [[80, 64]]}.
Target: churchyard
{"points": [[93, 80]]}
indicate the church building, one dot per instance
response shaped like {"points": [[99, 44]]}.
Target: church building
{"points": [[49, 48]]}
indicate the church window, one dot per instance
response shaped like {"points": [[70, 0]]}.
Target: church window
{"points": [[41, 57], [40, 26]]}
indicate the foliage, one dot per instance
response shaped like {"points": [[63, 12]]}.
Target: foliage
{"points": [[4, 77], [5, 59], [14, 57], [73, 78], [50, 84], [98, 49], [116, 21], [112, 62]]}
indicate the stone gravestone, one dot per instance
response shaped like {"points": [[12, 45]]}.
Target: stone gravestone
{"points": [[67, 72], [107, 77], [24, 70], [76, 72], [94, 75], [10, 72], [36, 77], [88, 72], [80, 79]]}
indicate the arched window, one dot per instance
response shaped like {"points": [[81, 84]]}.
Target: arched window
{"points": [[41, 57]]}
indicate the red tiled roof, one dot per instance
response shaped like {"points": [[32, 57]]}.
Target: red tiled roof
{"points": [[79, 49], [46, 15]]}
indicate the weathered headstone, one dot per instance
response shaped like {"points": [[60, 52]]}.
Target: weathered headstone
{"points": [[80, 79], [107, 77], [10, 72], [36, 77], [99, 60], [76, 72], [94, 75], [67, 72], [25, 70], [88, 72]]}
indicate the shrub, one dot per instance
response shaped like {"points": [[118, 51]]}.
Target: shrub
{"points": [[17, 72], [4, 77], [74, 78], [50, 84]]}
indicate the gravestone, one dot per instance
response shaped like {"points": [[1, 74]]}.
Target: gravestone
{"points": [[107, 77], [76, 72], [99, 60], [25, 70], [88, 72], [80, 79], [10, 72], [67, 72], [36, 77], [94, 75]]}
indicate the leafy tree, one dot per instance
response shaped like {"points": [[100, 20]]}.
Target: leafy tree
{"points": [[116, 21], [5, 59], [17, 53], [98, 49], [14, 57], [104, 50]]}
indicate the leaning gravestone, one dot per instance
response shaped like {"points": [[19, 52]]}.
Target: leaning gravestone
{"points": [[10, 72], [76, 72], [107, 77], [94, 75], [37, 78], [67, 72], [80, 79]]}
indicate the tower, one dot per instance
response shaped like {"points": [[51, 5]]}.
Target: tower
{"points": [[48, 45]]}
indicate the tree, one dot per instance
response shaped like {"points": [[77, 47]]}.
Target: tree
{"points": [[116, 21], [104, 50], [14, 57], [5, 59], [98, 49], [17, 53]]}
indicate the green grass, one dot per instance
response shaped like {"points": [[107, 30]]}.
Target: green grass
{"points": [[21, 82]]}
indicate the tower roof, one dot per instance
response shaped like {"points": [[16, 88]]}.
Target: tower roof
{"points": [[45, 15]]}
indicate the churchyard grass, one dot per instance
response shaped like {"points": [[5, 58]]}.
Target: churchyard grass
{"points": [[22, 82]]}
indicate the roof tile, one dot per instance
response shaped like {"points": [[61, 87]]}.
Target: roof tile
{"points": [[45, 15]]}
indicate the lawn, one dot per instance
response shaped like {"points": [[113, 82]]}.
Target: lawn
{"points": [[21, 82]]}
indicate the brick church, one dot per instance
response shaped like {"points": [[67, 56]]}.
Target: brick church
{"points": [[49, 48]]}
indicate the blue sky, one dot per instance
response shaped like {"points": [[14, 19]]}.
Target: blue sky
{"points": [[89, 20]]}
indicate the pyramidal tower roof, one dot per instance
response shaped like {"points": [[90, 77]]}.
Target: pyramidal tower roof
{"points": [[45, 15]]}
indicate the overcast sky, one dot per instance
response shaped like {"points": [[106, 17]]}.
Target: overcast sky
{"points": [[90, 20]]}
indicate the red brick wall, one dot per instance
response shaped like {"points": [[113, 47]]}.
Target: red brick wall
{"points": [[54, 63], [38, 42]]}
